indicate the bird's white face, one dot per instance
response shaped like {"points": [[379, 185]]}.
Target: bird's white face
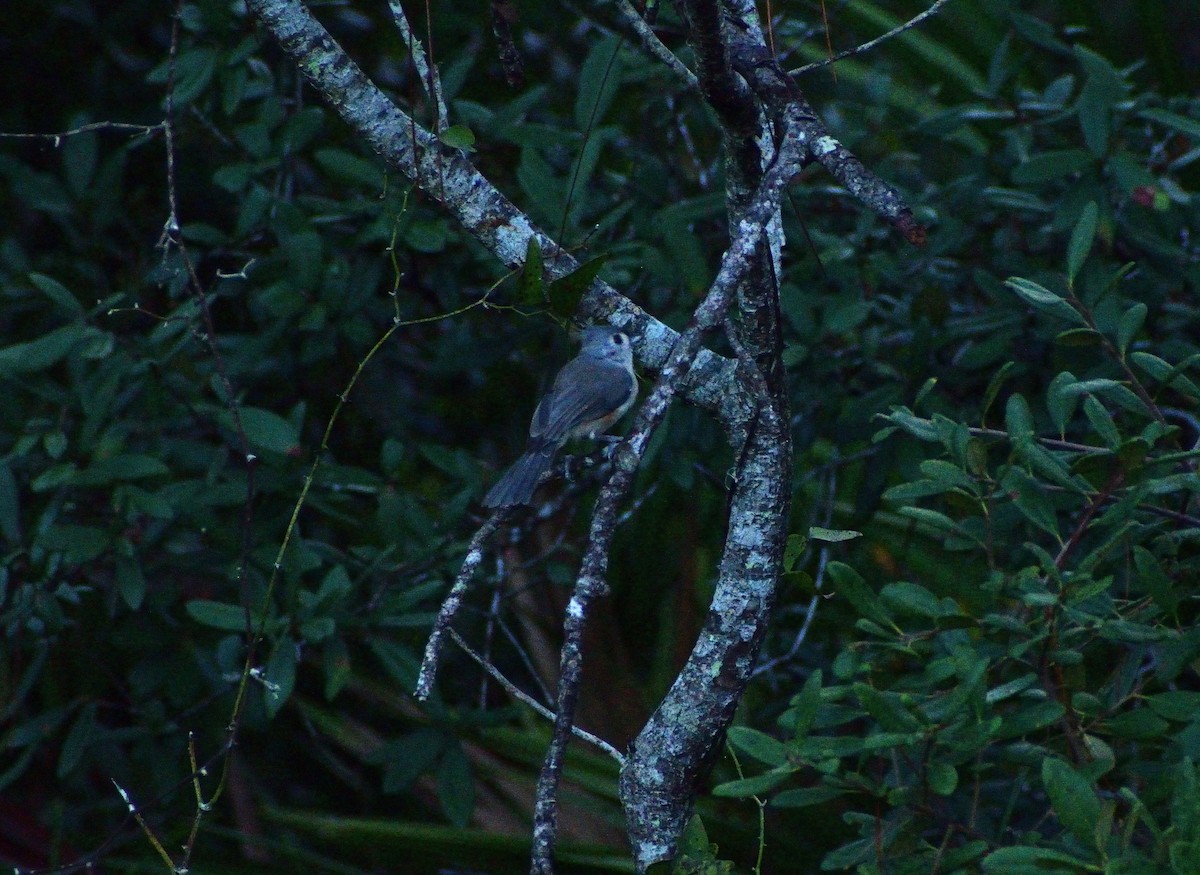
{"points": [[609, 344]]}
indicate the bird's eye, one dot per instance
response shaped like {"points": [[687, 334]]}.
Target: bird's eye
{"points": [[618, 339]]}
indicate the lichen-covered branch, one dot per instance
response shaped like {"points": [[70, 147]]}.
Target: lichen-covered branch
{"points": [[592, 580], [448, 177], [769, 133], [777, 90]]}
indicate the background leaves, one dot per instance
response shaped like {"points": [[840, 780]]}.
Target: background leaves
{"points": [[998, 671]]}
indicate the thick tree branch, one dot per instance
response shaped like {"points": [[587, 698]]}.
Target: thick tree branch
{"points": [[592, 580], [754, 98], [777, 90], [448, 177]]}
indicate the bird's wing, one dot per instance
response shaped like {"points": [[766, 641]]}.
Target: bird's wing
{"points": [[583, 392]]}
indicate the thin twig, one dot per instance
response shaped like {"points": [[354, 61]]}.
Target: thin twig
{"points": [[426, 71], [453, 601], [85, 129], [654, 46], [522, 696], [867, 46]]}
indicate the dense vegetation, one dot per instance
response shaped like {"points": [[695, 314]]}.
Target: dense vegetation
{"points": [[999, 673]]}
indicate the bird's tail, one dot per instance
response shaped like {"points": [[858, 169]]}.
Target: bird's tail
{"points": [[519, 481]]}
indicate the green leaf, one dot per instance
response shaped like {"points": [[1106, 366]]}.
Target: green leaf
{"points": [[935, 519], [805, 796], [10, 507], [408, 757], [1101, 94], [131, 583], [1061, 404], [279, 678], [913, 599], [266, 431], [818, 533], [1095, 110], [397, 660], [59, 294], [530, 289], [219, 615], [1044, 299], [1025, 860], [336, 665], [848, 583], [44, 352], [1082, 238], [1029, 718], [695, 837], [456, 786], [1048, 166], [565, 292], [886, 708], [79, 155], [539, 183], [1151, 575], [300, 129], [793, 551], [755, 785], [993, 388], [122, 468], [458, 137], [759, 745], [1163, 372], [1183, 124], [914, 425], [849, 855], [599, 81], [942, 778], [1078, 337], [806, 705], [78, 739], [1141, 723], [426, 234], [1018, 419], [346, 167], [924, 390], [1130, 324], [1073, 799], [78, 544], [1102, 422], [1010, 689], [1181, 705]]}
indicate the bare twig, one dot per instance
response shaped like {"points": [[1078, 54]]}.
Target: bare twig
{"points": [[503, 16], [426, 70], [85, 129], [654, 46], [867, 46], [522, 696], [453, 601]]}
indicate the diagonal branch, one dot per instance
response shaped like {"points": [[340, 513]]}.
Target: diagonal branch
{"points": [[879, 40], [449, 178]]}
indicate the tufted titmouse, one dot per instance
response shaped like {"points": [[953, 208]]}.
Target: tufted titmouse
{"points": [[589, 394]]}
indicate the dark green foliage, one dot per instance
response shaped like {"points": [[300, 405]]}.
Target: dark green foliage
{"points": [[1002, 652], [1001, 672]]}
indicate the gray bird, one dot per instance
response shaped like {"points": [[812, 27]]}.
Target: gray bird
{"points": [[590, 393]]}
